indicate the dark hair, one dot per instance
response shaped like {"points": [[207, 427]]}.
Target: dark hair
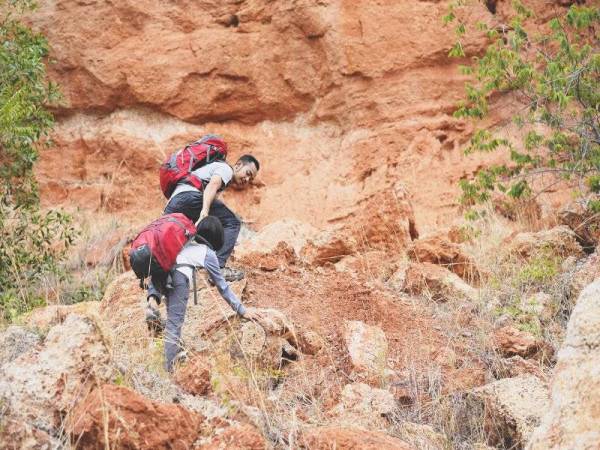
{"points": [[210, 231], [247, 159]]}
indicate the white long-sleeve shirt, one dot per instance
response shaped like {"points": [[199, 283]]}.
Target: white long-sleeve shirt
{"points": [[200, 255]]}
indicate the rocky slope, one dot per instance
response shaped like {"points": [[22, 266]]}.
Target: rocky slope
{"points": [[352, 362], [381, 329]]}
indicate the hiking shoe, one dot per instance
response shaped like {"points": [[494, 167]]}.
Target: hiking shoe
{"points": [[232, 274], [154, 322], [229, 274], [180, 358]]}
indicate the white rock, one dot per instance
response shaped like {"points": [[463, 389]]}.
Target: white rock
{"points": [[42, 386], [573, 418], [367, 347], [364, 406], [512, 408]]}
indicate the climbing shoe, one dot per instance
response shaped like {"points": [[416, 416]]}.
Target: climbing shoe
{"points": [[180, 358], [229, 274], [154, 321], [232, 274]]}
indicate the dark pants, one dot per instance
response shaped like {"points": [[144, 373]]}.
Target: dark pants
{"points": [[177, 298], [190, 204]]}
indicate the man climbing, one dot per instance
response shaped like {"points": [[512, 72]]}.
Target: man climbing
{"points": [[197, 253], [196, 197]]}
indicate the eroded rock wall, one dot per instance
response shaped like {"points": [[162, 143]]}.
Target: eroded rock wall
{"points": [[338, 100]]}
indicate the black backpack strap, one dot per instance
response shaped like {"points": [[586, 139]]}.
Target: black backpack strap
{"points": [[193, 278]]}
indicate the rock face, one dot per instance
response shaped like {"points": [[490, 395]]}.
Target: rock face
{"points": [[327, 438], [574, 412], [366, 93], [512, 408], [367, 347], [129, 420], [40, 388]]}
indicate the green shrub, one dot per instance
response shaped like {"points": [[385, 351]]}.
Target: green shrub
{"points": [[34, 242], [556, 78], [540, 269]]}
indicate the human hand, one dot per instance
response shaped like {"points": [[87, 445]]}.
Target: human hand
{"points": [[253, 314], [203, 214]]}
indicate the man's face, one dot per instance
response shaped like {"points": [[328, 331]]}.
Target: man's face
{"points": [[243, 174]]}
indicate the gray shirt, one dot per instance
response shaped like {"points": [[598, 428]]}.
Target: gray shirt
{"points": [[205, 173]]}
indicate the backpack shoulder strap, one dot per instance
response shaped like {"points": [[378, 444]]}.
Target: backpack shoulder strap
{"points": [[193, 279]]}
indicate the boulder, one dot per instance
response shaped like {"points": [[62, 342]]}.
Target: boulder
{"points": [[278, 258], [364, 406], [117, 417], [437, 250], [14, 341], [435, 282], [511, 408], [42, 319], [559, 241], [367, 347], [41, 387], [584, 274], [397, 280], [510, 341], [194, 376], [350, 438], [327, 248], [572, 419], [268, 345]]}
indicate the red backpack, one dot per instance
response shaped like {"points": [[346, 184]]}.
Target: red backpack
{"points": [[154, 251], [178, 166]]}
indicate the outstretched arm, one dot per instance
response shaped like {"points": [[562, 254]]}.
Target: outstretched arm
{"points": [[209, 194], [211, 264]]}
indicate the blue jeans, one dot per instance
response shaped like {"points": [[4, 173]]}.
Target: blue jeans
{"points": [[190, 204]]}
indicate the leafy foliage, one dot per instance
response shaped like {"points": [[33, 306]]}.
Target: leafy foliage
{"points": [[33, 241], [555, 75]]}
